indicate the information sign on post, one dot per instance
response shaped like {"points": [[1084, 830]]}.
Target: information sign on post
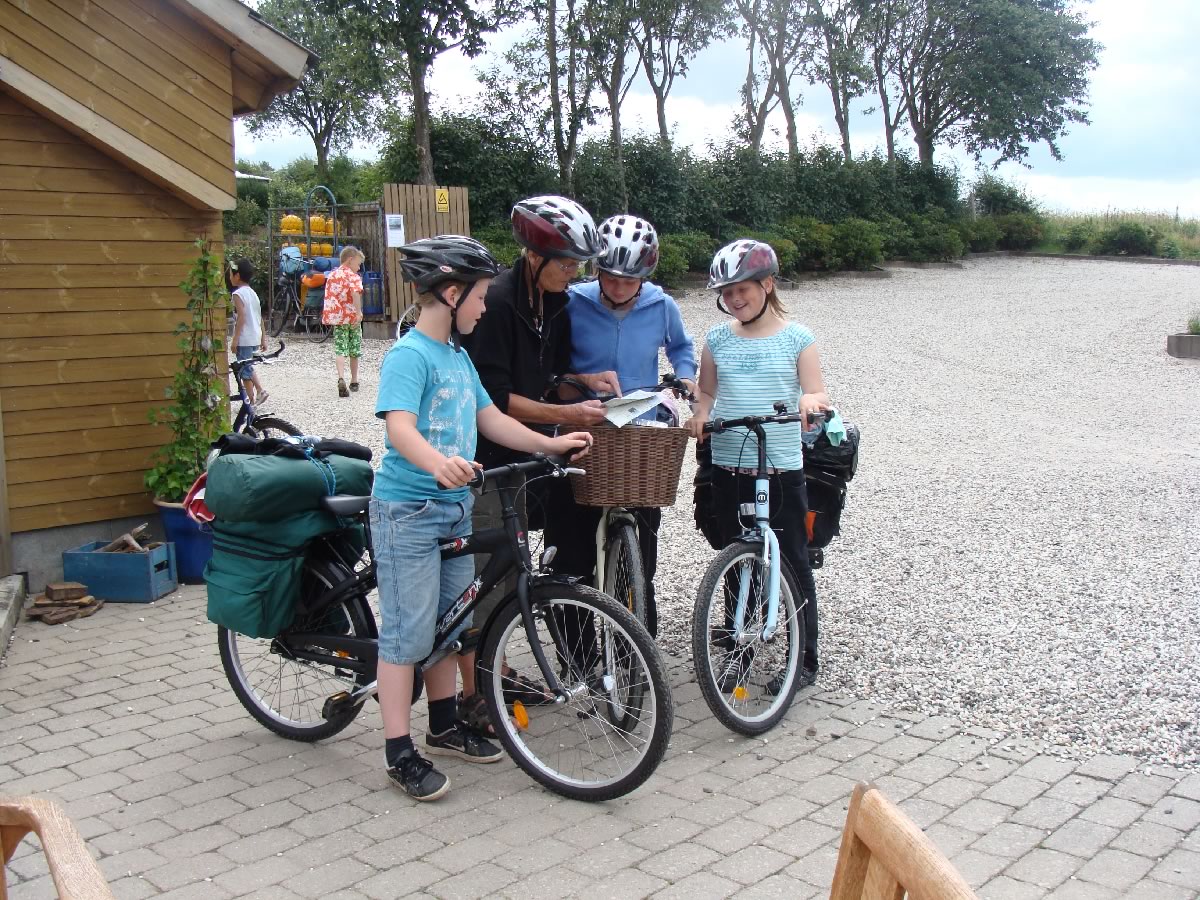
{"points": [[395, 230]]}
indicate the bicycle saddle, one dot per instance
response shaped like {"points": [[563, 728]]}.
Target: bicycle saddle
{"points": [[345, 504]]}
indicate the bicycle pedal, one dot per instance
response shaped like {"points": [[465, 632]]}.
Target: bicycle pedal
{"points": [[336, 705]]}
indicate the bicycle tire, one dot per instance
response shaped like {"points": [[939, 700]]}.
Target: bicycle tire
{"points": [[287, 696], [317, 331], [544, 739], [624, 581], [280, 308], [762, 677], [272, 426]]}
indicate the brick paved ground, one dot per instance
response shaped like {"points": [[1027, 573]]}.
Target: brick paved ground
{"points": [[127, 718]]}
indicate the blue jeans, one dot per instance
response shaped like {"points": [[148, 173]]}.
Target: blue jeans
{"points": [[246, 352], [416, 586]]}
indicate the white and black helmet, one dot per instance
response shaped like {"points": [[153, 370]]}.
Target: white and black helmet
{"points": [[743, 260], [630, 247], [555, 227]]}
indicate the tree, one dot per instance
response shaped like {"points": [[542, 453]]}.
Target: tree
{"points": [[338, 98], [881, 22], [669, 34], [610, 41], [421, 31], [837, 58], [781, 30], [993, 75]]}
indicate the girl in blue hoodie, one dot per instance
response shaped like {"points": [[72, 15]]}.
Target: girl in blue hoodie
{"points": [[619, 322]]}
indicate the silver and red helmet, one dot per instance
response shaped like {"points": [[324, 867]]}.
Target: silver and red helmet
{"points": [[555, 227], [743, 260], [630, 247]]}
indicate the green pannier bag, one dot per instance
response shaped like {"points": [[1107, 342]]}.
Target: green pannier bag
{"points": [[256, 571], [245, 487]]}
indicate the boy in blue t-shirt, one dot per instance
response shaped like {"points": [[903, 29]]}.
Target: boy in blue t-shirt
{"points": [[433, 404]]}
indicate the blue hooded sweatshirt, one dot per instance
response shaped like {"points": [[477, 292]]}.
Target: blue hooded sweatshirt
{"points": [[601, 342]]}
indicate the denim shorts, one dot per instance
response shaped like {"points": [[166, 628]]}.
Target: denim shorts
{"points": [[415, 585], [247, 352]]}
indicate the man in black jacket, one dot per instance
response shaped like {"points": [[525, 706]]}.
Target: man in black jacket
{"points": [[520, 344]]}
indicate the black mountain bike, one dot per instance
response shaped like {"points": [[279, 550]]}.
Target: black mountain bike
{"points": [[247, 420], [311, 681], [286, 307]]}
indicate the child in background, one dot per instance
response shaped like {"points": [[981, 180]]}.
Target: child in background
{"points": [[248, 334], [749, 364], [432, 402], [344, 311]]}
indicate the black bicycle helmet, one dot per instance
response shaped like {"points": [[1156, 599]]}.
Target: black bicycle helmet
{"points": [[555, 227], [447, 257]]}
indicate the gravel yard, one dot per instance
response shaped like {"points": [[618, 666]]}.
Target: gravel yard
{"points": [[1021, 546]]}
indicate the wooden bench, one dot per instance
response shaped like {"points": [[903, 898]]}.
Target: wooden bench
{"points": [[76, 875], [885, 856]]}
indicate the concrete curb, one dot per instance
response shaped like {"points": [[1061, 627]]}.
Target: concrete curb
{"points": [[12, 601], [1086, 257]]}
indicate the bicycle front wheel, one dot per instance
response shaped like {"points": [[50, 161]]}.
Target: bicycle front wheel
{"points": [[624, 574], [573, 747], [287, 694], [270, 426], [279, 312], [748, 682]]}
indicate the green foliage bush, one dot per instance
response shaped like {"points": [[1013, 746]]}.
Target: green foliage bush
{"points": [[245, 218], [1170, 249], [256, 252], [672, 261], [1019, 231], [1193, 324], [499, 240], [698, 249], [981, 234], [996, 197], [813, 241], [897, 238], [934, 239], [1079, 236], [785, 248], [1127, 239], [856, 244]]}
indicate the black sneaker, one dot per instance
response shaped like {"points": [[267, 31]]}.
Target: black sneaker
{"points": [[806, 678], [736, 665], [418, 777], [465, 743]]}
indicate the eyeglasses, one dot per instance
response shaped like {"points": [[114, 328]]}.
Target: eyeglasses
{"points": [[568, 267]]}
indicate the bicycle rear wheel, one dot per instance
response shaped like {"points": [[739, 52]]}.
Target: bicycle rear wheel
{"points": [[318, 332], [573, 747], [748, 685], [285, 694], [271, 426]]}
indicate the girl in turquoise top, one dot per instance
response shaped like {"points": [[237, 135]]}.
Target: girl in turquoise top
{"points": [[748, 365]]}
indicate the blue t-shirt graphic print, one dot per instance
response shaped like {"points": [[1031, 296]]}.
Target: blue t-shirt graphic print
{"points": [[441, 388]]}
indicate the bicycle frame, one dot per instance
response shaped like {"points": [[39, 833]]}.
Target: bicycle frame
{"points": [[770, 553], [363, 653]]}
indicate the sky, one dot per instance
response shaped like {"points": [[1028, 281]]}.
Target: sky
{"points": [[1138, 153]]}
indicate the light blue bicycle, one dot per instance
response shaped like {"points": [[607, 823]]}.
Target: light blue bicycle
{"points": [[748, 627]]}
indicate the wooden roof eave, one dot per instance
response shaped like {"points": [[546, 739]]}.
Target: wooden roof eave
{"points": [[127, 148]]}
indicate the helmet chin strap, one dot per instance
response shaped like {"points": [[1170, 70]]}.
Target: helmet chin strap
{"points": [[455, 334], [758, 315], [613, 303]]}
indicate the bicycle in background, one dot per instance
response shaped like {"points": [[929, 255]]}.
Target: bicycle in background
{"points": [[248, 421]]}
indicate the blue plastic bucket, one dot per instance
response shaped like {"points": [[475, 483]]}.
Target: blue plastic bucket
{"points": [[193, 547]]}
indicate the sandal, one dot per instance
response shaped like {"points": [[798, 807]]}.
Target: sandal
{"points": [[517, 687], [474, 712]]}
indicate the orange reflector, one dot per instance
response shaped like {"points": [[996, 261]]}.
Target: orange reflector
{"points": [[341, 654], [740, 693], [520, 715]]}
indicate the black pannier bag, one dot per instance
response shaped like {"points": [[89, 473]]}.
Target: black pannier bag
{"points": [[827, 470]]}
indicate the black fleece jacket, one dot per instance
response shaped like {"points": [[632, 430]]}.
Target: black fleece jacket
{"points": [[511, 355]]}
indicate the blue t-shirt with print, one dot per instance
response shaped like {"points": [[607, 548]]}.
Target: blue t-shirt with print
{"points": [[440, 387]]}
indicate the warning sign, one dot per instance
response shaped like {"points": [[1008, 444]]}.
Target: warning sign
{"points": [[442, 198]]}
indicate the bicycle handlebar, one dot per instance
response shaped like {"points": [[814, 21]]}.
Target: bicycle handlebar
{"points": [[558, 466], [235, 366], [669, 381], [752, 422]]}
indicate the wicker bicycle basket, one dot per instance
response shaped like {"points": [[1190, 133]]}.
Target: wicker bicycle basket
{"points": [[631, 466]]}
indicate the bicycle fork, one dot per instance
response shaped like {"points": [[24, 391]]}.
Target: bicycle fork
{"points": [[762, 518]]}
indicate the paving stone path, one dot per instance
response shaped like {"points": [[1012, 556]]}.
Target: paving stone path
{"points": [[127, 718]]}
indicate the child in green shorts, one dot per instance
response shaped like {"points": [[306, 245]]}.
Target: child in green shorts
{"points": [[343, 310]]}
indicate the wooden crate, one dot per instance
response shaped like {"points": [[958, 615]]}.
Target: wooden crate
{"points": [[123, 577]]}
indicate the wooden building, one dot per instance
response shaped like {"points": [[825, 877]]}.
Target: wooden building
{"points": [[116, 153]]}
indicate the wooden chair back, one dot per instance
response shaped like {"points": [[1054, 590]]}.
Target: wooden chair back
{"points": [[76, 875], [885, 856]]}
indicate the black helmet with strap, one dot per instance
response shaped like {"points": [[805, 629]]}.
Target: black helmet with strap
{"points": [[431, 262]]}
